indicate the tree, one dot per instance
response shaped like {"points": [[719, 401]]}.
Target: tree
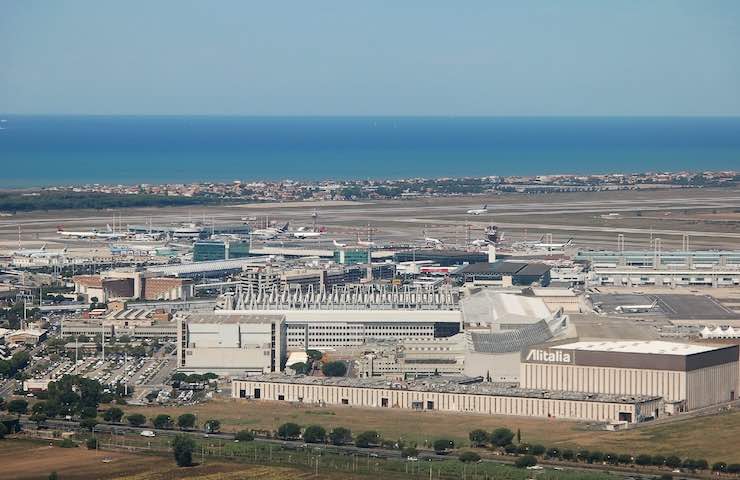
{"points": [[733, 468], [301, 368], [673, 461], [314, 355], [334, 369], [442, 445], [658, 460], [88, 412], [244, 436], [522, 449], [186, 421], [643, 460], [3, 431], [212, 425], [626, 459], [182, 448], [569, 455], [596, 457], [91, 443], [526, 461], [39, 418], [511, 448], [88, 423], [340, 436], [611, 458], [18, 406], [53, 476], [719, 467], [537, 450], [501, 437], [552, 453], [136, 419], [409, 452], [289, 431], [583, 455], [162, 421], [179, 377], [367, 439], [479, 438], [469, 457], [314, 434], [113, 415], [701, 464]]}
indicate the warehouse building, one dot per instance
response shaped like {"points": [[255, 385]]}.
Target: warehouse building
{"points": [[449, 395], [231, 344], [686, 376]]}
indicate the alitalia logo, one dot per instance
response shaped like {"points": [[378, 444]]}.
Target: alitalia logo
{"points": [[549, 356]]}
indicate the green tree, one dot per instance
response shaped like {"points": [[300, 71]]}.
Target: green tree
{"points": [[19, 406], [334, 369], [719, 467], [300, 368], [367, 439], [409, 452], [596, 457], [179, 377], [569, 455], [658, 460], [537, 450], [314, 355], [3, 431], [136, 419], [182, 447], [88, 412], [289, 431], [626, 459], [53, 476], [186, 421], [113, 415], [583, 455], [442, 445], [733, 468], [340, 436], [212, 425], [162, 421], [314, 434], [611, 458], [552, 452], [244, 436], [68, 443], [644, 460], [469, 457], [88, 423], [501, 437], [479, 438], [39, 418], [526, 461], [673, 461], [91, 443]]}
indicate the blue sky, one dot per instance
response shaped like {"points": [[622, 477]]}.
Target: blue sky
{"points": [[656, 57]]}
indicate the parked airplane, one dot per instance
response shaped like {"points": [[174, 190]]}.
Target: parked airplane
{"points": [[479, 211], [636, 308], [365, 243], [38, 252], [339, 245], [270, 232], [539, 244], [433, 241], [94, 233], [303, 232]]}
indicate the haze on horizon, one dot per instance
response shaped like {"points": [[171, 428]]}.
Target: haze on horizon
{"points": [[575, 57]]}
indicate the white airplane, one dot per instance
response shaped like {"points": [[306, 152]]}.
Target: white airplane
{"points": [[433, 241], [270, 232], [108, 234], [365, 243], [480, 243], [478, 211], [636, 308], [539, 244], [338, 245], [303, 232], [27, 252]]}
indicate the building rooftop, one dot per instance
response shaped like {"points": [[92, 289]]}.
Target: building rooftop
{"points": [[472, 386], [233, 318], [633, 346], [487, 306]]}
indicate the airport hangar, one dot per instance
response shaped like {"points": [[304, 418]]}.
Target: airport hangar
{"points": [[685, 376]]}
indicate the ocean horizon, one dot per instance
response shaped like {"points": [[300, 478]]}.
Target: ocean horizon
{"points": [[73, 149]]}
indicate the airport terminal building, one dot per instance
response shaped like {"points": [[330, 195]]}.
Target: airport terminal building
{"points": [[685, 376]]}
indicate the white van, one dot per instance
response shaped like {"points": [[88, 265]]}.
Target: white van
{"points": [[147, 433]]}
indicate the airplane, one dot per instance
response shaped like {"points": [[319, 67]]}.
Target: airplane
{"points": [[27, 252], [365, 243], [636, 308], [433, 241], [270, 232], [480, 243], [305, 233], [339, 245], [108, 234], [539, 244], [478, 211]]}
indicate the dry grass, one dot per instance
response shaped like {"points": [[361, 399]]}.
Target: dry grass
{"points": [[711, 437]]}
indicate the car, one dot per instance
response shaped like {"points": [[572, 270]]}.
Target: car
{"points": [[147, 433], [535, 467]]}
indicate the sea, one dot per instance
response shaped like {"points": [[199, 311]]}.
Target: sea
{"points": [[75, 150]]}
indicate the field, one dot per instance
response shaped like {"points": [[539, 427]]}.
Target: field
{"points": [[710, 437]]}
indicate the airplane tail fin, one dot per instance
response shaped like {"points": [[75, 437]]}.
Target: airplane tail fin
{"points": [[43, 247], [107, 227]]}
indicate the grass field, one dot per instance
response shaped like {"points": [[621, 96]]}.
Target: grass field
{"points": [[712, 437]]}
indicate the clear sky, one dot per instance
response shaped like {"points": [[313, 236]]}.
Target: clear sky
{"points": [[395, 57]]}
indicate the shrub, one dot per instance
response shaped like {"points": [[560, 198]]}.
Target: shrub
{"points": [[583, 455], [596, 457], [511, 448], [88, 424], [522, 448], [3, 431], [340, 436], [113, 415], [733, 468], [314, 434], [182, 447], [409, 452], [569, 455], [469, 457], [501, 437], [244, 436], [136, 419], [300, 368], [67, 443], [719, 467], [442, 445], [552, 453], [91, 443], [644, 460], [658, 460], [212, 425], [611, 458], [289, 431], [673, 461], [526, 461], [479, 438], [537, 450], [334, 369], [626, 459], [367, 439]]}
